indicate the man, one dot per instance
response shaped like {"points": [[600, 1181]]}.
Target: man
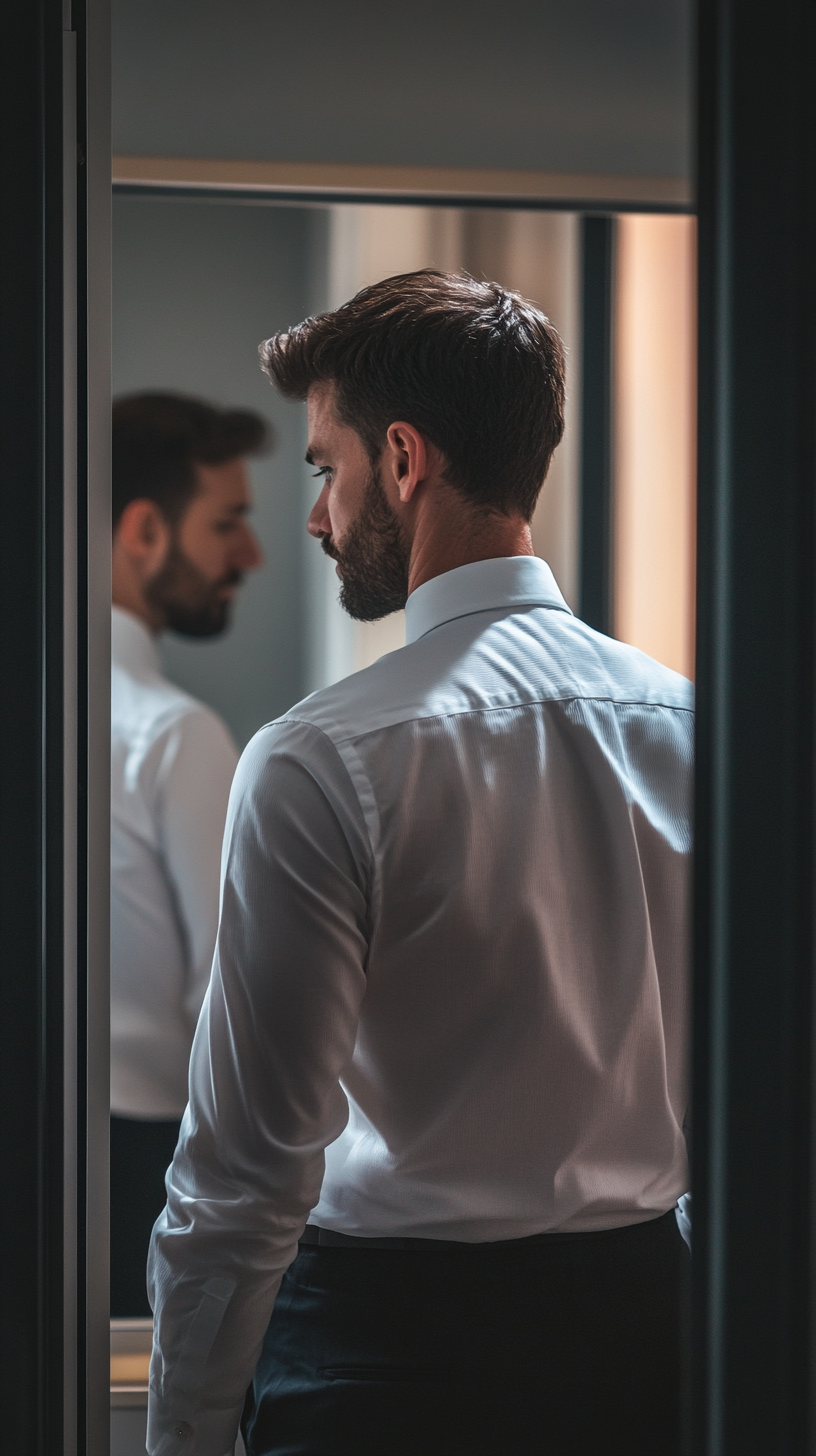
{"points": [[180, 548], [424, 1193]]}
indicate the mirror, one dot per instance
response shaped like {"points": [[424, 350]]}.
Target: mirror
{"points": [[198, 283]]}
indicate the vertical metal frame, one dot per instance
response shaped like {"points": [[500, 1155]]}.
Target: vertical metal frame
{"points": [[597, 303], [72, 1205], [752, 1347], [94, 701], [32, 1144], [54, 292]]}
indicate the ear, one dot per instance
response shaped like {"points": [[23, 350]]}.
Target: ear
{"points": [[406, 456], [143, 533]]}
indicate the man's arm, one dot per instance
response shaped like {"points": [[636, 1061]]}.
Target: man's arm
{"points": [[277, 1029], [197, 769]]}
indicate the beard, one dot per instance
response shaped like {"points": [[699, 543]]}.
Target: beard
{"points": [[374, 559], [189, 603]]}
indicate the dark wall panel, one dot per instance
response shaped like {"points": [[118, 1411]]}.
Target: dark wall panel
{"points": [[752, 1343]]}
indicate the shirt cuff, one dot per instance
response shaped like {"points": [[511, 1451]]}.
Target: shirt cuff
{"points": [[206, 1433]]}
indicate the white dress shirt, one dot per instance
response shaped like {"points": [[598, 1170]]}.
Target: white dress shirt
{"points": [[452, 954], [172, 766]]}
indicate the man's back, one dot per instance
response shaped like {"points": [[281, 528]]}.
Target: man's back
{"points": [[530, 841], [452, 952], [510, 907]]}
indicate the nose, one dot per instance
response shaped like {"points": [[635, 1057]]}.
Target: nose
{"points": [[319, 522]]}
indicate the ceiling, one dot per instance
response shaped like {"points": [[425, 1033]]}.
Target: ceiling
{"points": [[574, 86]]}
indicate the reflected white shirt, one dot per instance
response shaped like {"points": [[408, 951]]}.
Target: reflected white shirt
{"points": [[172, 763], [452, 953]]}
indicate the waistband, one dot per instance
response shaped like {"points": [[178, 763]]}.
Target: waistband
{"points": [[315, 1237]]}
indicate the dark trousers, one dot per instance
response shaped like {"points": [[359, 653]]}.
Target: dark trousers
{"points": [[140, 1154], [566, 1347]]}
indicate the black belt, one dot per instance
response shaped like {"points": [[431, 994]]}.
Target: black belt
{"points": [[314, 1236]]}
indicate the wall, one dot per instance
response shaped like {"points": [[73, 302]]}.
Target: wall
{"points": [[655, 437], [196, 288], [583, 86]]}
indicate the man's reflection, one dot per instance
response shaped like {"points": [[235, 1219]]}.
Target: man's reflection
{"points": [[181, 546]]}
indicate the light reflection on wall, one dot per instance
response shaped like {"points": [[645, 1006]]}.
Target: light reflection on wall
{"points": [[655, 437]]}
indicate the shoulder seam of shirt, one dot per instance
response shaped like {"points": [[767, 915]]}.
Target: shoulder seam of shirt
{"points": [[305, 723], [495, 708]]}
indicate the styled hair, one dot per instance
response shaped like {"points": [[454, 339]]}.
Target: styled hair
{"points": [[476, 369], [159, 438]]}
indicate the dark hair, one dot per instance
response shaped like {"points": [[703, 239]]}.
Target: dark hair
{"points": [[477, 369], [159, 438]]}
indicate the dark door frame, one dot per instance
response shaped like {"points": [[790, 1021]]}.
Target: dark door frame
{"points": [[752, 1338], [54, 547]]}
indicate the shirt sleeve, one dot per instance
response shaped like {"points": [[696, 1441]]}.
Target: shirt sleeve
{"points": [[277, 1030], [198, 766]]}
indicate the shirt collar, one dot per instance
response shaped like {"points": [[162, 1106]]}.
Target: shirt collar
{"points": [[481, 586], [133, 645]]}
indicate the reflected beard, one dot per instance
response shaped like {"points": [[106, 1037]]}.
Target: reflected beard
{"points": [[186, 600], [374, 559]]}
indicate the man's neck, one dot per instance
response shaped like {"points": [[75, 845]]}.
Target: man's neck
{"points": [[457, 536]]}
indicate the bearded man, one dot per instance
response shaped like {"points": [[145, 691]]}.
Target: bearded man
{"points": [[181, 546], [424, 1198]]}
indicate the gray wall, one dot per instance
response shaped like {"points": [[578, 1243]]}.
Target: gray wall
{"points": [[196, 287], [569, 85]]}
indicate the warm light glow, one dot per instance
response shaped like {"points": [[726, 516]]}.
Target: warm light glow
{"points": [[655, 437], [130, 1369]]}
